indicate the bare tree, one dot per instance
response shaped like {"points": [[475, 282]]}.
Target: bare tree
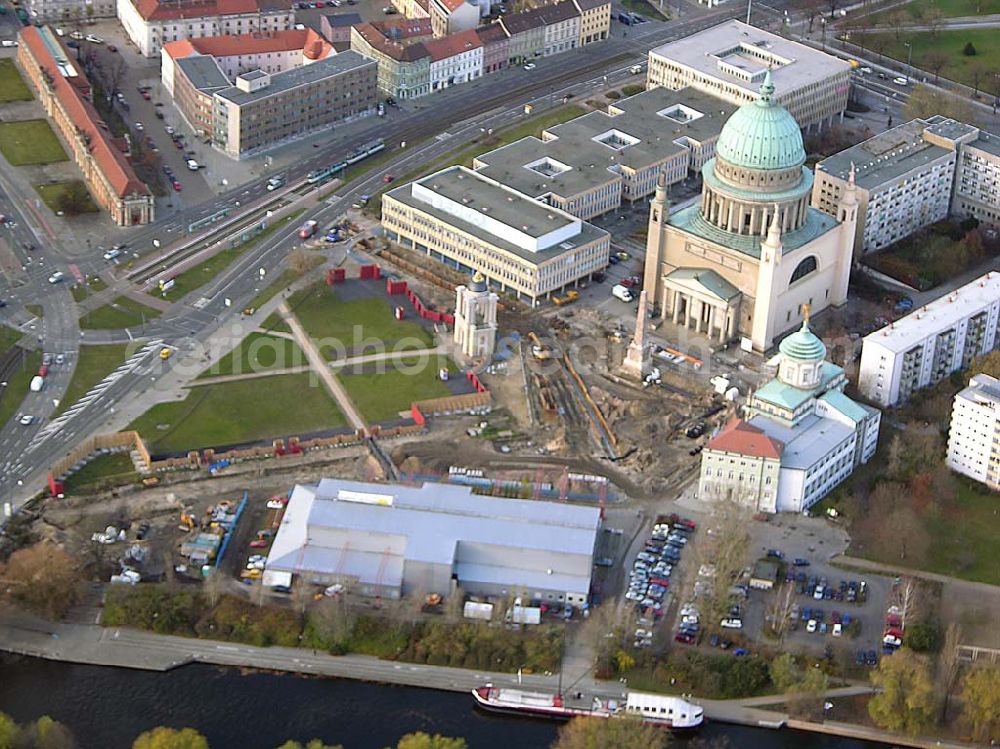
{"points": [[257, 592], [907, 597], [213, 587], [115, 73], [935, 60], [979, 73], [780, 610], [934, 20], [454, 605], [812, 8], [727, 552], [301, 596], [949, 665]]}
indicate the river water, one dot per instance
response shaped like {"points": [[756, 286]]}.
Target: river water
{"points": [[106, 708]]}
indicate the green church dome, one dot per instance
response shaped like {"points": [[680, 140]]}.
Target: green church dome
{"points": [[803, 344], [762, 135]]}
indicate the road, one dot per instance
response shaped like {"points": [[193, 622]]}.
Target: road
{"points": [[431, 128]]}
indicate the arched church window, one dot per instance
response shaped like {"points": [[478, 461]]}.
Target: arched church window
{"points": [[804, 268]]}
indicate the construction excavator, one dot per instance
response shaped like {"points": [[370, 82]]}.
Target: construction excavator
{"points": [[188, 523]]}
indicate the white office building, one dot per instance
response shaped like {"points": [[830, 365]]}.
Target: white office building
{"points": [[731, 59], [973, 447], [930, 343]]}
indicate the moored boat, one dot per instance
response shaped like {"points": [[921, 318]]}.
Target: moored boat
{"points": [[657, 709]]}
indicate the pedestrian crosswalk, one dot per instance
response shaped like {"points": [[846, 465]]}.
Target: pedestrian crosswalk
{"points": [[93, 395]]}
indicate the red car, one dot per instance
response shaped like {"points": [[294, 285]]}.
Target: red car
{"points": [[685, 638], [43, 370], [893, 620], [388, 178], [893, 632], [177, 186], [258, 544], [112, 48]]}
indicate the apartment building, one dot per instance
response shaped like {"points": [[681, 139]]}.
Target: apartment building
{"points": [[730, 61], [455, 59], [525, 35], [270, 51], [152, 23], [452, 16], [903, 181], [195, 81], [472, 223], [54, 11], [495, 48], [404, 66], [591, 164], [974, 435], [930, 343], [595, 20], [562, 28], [64, 93], [976, 192], [336, 27], [262, 111], [801, 436]]}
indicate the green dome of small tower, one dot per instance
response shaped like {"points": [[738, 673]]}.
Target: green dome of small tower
{"points": [[762, 134]]}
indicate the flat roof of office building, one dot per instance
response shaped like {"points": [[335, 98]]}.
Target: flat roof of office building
{"points": [[585, 152], [751, 52], [474, 192]]}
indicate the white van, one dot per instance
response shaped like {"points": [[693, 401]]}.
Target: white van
{"points": [[193, 165], [621, 292], [37, 382]]}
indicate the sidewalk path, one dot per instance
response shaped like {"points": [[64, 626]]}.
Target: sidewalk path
{"points": [[319, 366]]}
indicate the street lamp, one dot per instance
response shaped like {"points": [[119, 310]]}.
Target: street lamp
{"points": [[822, 22], [909, 60]]}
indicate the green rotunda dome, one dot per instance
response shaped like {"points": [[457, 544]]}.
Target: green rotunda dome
{"points": [[803, 344], [762, 135]]}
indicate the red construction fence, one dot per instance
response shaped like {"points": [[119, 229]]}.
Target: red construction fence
{"points": [[400, 287]]}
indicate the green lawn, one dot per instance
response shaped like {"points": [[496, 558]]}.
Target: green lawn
{"points": [[25, 142], [52, 192], [959, 66], [8, 337], [969, 549], [201, 274], [12, 85], [917, 9], [647, 9], [17, 386], [241, 411], [82, 291], [35, 309], [258, 352], [123, 312], [339, 327], [113, 469], [381, 396], [93, 364]]}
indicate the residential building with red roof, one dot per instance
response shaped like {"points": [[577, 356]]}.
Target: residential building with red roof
{"points": [[150, 24], [404, 67], [64, 91], [455, 59], [336, 27], [495, 47]]}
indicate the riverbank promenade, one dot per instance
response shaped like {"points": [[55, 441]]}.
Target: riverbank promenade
{"points": [[128, 648]]}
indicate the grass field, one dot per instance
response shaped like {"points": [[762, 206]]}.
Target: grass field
{"points": [[17, 386], [959, 66], [26, 142], [52, 192], [381, 396], [93, 364], [339, 327], [82, 291], [35, 309], [286, 279], [8, 337], [120, 313], [237, 412], [255, 353], [949, 9], [111, 469], [969, 549], [201, 274], [12, 85]]}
